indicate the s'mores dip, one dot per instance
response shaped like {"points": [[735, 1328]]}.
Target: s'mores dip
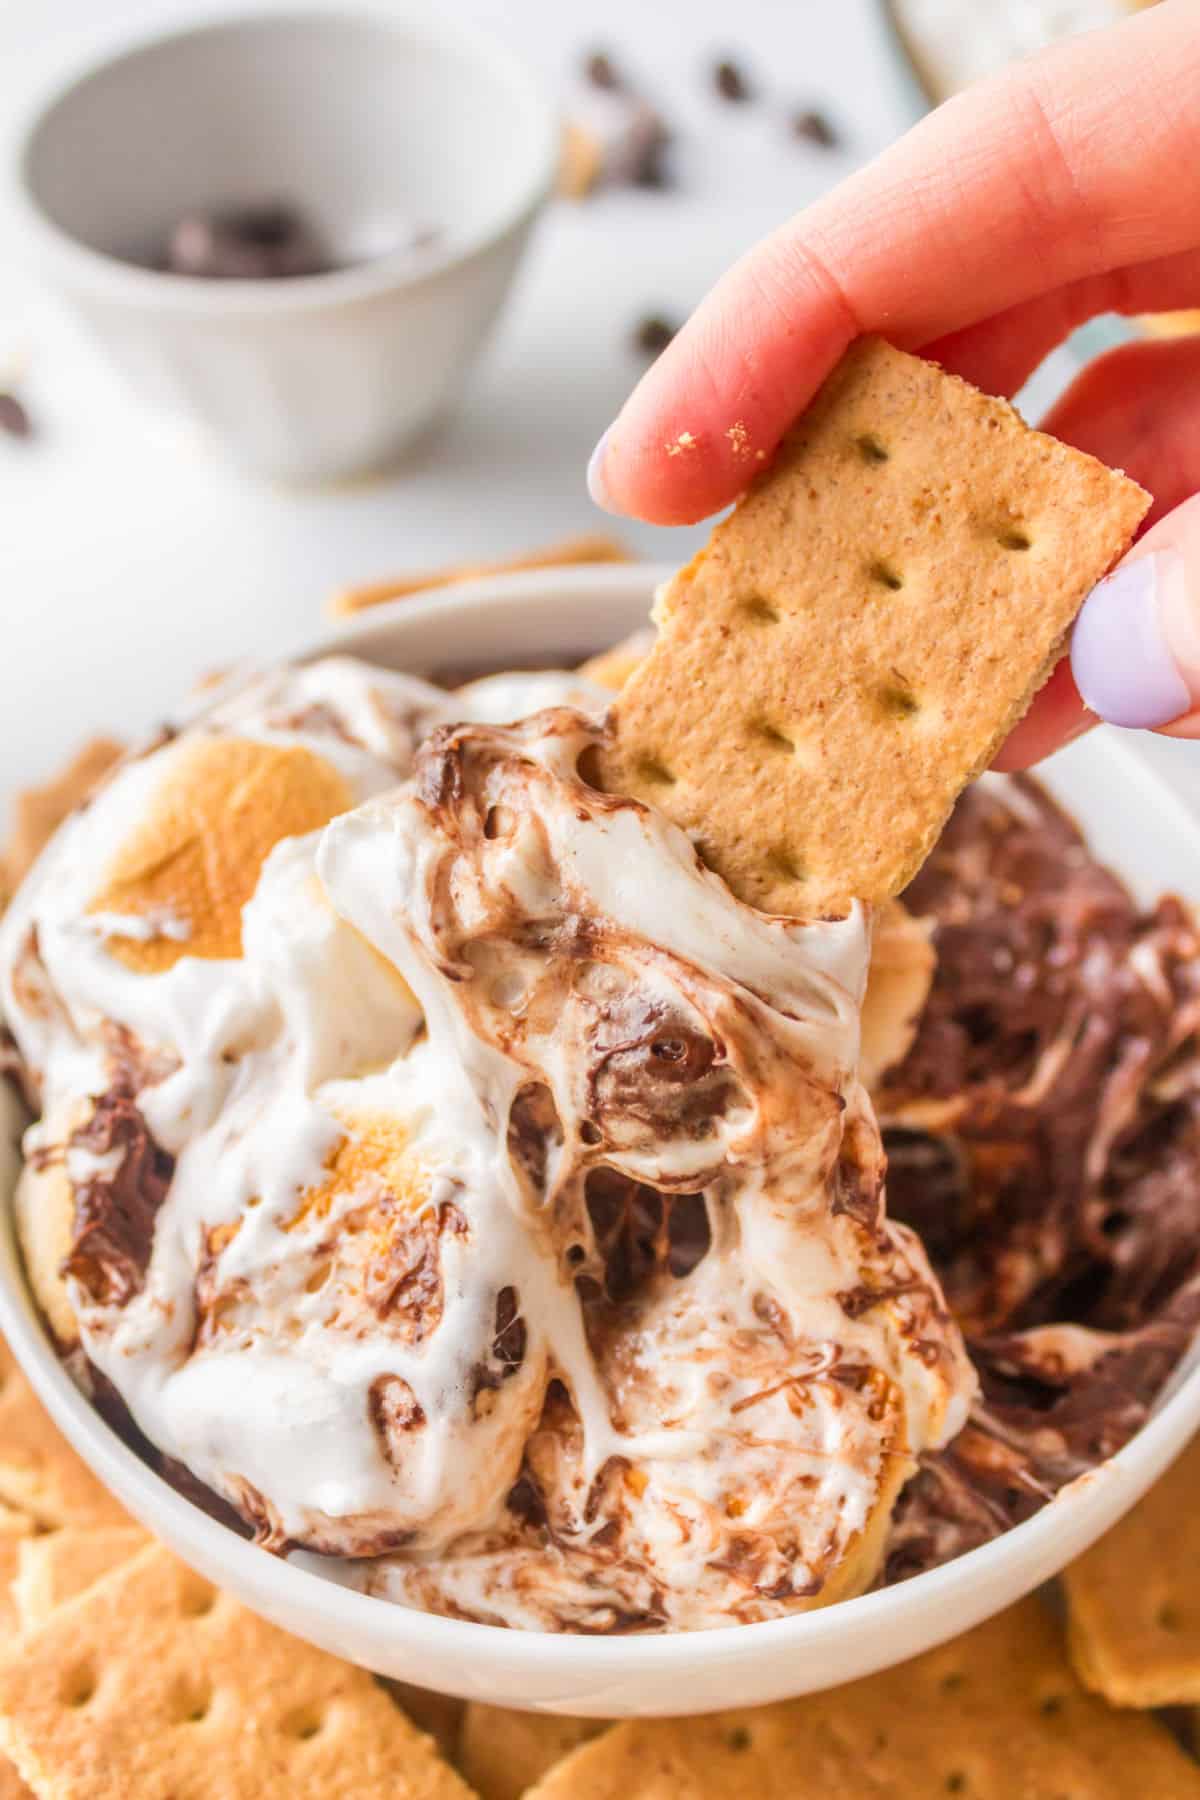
{"points": [[456, 1145]]}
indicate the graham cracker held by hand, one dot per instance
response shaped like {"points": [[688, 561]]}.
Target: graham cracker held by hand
{"points": [[1134, 1598], [862, 632], [154, 1684], [995, 1715], [503, 1753]]}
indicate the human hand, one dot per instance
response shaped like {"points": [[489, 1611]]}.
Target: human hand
{"points": [[1066, 187]]}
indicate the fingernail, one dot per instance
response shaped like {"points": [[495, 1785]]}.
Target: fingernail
{"points": [[597, 485], [1129, 642]]}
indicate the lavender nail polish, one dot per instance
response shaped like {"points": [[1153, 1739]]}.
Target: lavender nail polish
{"points": [[1120, 657], [597, 486]]}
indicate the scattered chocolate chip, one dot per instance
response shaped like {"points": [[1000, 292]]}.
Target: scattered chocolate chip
{"points": [[602, 72], [730, 82], [652, 334], [14, 420], [249, 243], [639, 157], [815, 128]]}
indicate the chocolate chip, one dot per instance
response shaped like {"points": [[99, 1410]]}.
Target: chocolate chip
{"points": [[652, 334], [602, 72], [815, 128], [14, 420], [730, 82], [638, 158], [250, 243]]}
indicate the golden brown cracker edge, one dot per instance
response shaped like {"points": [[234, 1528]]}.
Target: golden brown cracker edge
{"points": [[503, 1753], [56, 1566], [152, 1680], [1133, 1599], [40, 1474], [861, 633], [995, 1714]]}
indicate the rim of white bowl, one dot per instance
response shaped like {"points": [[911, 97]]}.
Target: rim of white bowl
{"points": [[399, 271], [918, 1613]]}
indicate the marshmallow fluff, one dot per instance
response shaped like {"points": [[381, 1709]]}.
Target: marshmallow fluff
{"points": [[501, 1207]]}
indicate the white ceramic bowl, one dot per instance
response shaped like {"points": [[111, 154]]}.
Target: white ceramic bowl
{"points": [[1136, 825], [372, 122]]}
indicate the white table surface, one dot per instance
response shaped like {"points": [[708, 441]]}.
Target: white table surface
{"points": [[131, 559]]}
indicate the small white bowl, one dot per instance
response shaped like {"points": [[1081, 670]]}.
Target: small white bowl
{"points": [[1136, 825], [372, 123]]}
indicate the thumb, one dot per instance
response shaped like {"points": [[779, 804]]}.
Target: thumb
{"points": [[1135, 651]]}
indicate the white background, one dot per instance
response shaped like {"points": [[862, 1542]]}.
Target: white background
{"points": [[131, 560]]}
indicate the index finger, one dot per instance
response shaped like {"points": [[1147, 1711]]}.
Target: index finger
{"points": [[1078, 162]]}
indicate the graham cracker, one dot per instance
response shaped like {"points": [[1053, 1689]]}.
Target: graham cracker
{"points": [[56, 1566], [588, 547], [39, 1472], [153, 1683], [503, 1753], [222, 807], [1133, 1599], [580, 162], [859, 636], [440, 1716], [37, 812], [16, 1529], [995, 1715], [44, 1212], [899, 978]]}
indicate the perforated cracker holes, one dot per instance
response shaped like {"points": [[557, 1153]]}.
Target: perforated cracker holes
{"points": [[862, 632]]}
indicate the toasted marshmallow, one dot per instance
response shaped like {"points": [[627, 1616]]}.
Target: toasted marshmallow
{"points": [[449, 1172]]}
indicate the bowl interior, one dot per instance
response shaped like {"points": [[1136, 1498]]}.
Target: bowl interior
{"points": [[378, 126], [1134, 823]]}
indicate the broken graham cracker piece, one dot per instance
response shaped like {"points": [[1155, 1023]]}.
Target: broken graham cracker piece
{"points": [[154, 1684], [899, 977], [1133, 1599], [588, 547], [994, 1715], [862, 632], [503, 1753], [580, 162], [40, 1474], [56, 1566]]}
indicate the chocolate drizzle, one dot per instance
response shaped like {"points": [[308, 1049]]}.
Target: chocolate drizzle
{"points": [[115, 1211]]}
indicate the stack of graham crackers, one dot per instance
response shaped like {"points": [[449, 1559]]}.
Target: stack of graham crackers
{"points": [[126, 1677], [810, 721]]}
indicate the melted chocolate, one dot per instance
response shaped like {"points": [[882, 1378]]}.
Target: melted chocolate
{"points": [[115, 1212], [1044, 1140]]}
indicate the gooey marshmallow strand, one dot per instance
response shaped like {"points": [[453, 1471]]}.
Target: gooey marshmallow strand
{"points": [[273, 1052]]}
